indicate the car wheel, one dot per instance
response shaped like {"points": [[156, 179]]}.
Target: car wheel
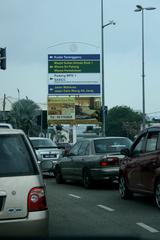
{"points": [[124, 192], [157, 194], [59, 177], [87, 180]]}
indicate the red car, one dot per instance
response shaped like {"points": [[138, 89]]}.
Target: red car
{"points": [[140, 169]]}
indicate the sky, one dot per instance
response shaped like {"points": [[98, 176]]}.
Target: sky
{"points": [[32, 29]]}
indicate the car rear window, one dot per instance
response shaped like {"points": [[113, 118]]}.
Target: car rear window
{"points": [[4, 126], [15, 156], [111, 145]]}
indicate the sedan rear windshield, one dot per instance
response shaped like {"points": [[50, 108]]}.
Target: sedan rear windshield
{"points": [[15, 156], [111, 145]]}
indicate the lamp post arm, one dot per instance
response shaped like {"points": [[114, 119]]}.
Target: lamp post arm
{"points": [[110, 23]]}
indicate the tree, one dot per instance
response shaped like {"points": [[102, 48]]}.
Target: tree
{"points": [[23, 115], [123, 121]]}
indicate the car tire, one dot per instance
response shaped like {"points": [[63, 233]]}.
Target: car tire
{"points": [[59, 177], [123, 190], [157, 194], [87, 179]]}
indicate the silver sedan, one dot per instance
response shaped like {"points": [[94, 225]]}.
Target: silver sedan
{"points": [[45, 150], [92, 160]]}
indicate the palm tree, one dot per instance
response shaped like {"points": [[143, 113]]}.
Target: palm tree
{"points": [[24, 115]]}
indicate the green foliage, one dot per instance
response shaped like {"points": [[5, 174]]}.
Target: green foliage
{"points": [[123, 121], [23, 115]]}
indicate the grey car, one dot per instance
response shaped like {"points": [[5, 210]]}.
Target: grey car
{"points": [[23, 206], [46, 149], [92, 160]]}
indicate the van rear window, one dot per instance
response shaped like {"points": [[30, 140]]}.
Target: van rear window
{"points": [[4, 126], [15, 156]]}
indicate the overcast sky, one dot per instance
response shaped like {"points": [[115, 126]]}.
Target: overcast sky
{"points": [[28, 28]]}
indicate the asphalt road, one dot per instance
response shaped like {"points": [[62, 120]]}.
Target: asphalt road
{"points": [[100, 212]]}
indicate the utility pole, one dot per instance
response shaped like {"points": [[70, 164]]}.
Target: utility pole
{"points": [[41, 122], [3, 58], [4, 108]]}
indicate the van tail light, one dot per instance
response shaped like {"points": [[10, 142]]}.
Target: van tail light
{"points": [[37, 199], [109, 161]]}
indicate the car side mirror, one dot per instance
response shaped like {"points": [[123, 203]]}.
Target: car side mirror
{"points": [[125, 152], [65, 152]]}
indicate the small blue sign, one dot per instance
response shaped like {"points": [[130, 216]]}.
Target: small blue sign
{"points": [[73, 89], [71, 57]]}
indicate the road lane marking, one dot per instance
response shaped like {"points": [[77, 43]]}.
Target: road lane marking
{"points": [[150, 229], [75, 196], [106, 208]]}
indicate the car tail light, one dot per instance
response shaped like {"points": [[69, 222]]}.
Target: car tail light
{"points": [[37, 200], [103, 163], [109, 161]]}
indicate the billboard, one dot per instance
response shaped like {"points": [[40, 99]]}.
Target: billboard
{"points": [[74, 88], [61, 108], [74, 110]]}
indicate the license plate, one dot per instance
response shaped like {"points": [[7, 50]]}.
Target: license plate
{"points": [[50, 156]]}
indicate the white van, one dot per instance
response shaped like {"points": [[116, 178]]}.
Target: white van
{"points": [[23, 206]]}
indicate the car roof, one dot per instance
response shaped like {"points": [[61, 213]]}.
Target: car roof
{"points": [[10, 131], [7, 125], [148, 129], [100, 138], [38, 138], [152, 128]]}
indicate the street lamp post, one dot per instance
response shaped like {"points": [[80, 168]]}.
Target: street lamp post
{"points": [[141, 9], [103, 90], [41, 122], [18, 94]]}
